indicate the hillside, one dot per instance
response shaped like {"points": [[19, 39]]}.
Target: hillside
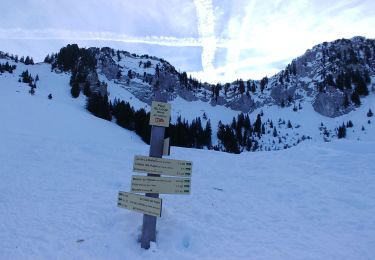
{"points": [[61, 169], [318, 94], [324, 74]]}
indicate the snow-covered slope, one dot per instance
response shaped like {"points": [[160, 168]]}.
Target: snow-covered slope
{"points": [[325, 76], [306, 123], [61, 169]]}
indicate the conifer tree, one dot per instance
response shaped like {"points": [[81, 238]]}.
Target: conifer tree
{"points": [[355, 98], [369, 113], [253, 88], [75, 90], [207, 134], [258, 125], [274, 132], [86, 89], [341, 131], [99, 106], [361, 87]]}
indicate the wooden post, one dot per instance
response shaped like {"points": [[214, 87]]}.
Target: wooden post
{"points": [[156, 150]]}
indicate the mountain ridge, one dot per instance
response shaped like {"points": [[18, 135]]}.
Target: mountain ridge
{"points": [[316, 73], [320, 85]]}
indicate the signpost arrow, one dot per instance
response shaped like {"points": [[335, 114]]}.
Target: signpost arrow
{"points": [[163, 166], [165, 185], [139, 203]]}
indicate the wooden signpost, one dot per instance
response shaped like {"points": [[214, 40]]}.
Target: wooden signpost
{"points": [[154, 165]]}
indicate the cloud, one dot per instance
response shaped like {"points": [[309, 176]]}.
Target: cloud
{"points": [[283, 30], [225, 39]]}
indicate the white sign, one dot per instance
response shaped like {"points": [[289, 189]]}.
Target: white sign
{"points": [[170, 167], [164, 185], [160, 114], [140, 203]]}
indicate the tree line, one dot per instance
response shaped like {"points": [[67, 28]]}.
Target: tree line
{"points": [[182, 133], [7, 68], [240, 135]]}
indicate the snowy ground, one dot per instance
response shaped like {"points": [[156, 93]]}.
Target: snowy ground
{"points": [[61, 169]]}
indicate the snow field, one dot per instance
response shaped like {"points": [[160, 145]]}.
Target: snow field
{"points": [[61, 169]]}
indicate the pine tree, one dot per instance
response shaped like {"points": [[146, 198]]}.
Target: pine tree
{"points": [[75, 90], [247, 123], [87, 89], [208, 134], [274, 132], [355, 98], [341, 133], [99, 106], [241, 87], [369, 113], [47, 59], [157, 70], [361, 87], [130, 76], [340, 81], [263, 83], [118, 75], [248, 143], [253, 87], [258, 125], [348, 80]]}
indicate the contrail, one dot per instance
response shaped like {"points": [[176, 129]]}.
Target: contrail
{"points": [[233, 54], [52, 34], [58, 34], [206, 30]]}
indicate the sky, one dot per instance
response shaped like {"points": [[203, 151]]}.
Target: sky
{"points": [[214, 40]]}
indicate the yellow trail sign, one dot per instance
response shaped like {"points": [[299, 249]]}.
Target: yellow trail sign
{"points": [[140, 203], [170, 167], [160, 114], [164, 185]]}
